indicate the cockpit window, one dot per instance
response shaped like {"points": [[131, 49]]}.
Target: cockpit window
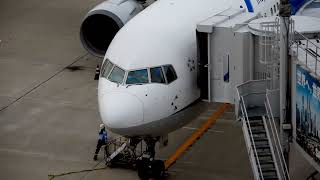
{"points": [[157, 75], [160, 74], [137, 77], [170, 73], [106, 69], [116, 75]]}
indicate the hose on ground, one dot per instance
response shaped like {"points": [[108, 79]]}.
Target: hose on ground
{"points": [[52, 176]]}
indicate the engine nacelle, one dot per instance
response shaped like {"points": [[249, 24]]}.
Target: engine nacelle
{"points": [[103, 22]]}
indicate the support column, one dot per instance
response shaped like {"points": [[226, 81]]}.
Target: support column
{"points": [[285, 113]]}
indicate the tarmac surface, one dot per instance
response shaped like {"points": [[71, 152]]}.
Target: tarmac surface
{"points": [[48, 105]]}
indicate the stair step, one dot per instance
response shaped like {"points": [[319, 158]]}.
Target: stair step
{"points": [[258, 131], [269, 169], [267, 166], [257, 127], [256, 122], [273, 177], [259, 135], [255, 118], [270, 174], [263, 150], [265, 158], [262, 146], [266, 162], [259, 138], [260, 143], [263, 154]]}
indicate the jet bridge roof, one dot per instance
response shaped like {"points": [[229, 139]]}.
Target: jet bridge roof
{"points": [[310, 8], [234, 18]]}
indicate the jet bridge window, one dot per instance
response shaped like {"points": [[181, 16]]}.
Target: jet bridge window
{"points": [[170, 73], [138, 77], [117, 75], [157, 75], [107, 66]]}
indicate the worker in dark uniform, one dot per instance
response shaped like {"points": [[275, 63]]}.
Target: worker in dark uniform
{"points": [[101, 141]]}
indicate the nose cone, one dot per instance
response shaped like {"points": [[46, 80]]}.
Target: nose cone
{"points": [[120, 110]]}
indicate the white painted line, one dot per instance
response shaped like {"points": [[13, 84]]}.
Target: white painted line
{"points": [[192, 128]]}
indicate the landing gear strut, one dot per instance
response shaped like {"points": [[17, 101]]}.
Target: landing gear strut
{"points": [[147, 166]]}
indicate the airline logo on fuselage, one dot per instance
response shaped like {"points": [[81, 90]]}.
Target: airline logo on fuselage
{"points": [[249, 5]]}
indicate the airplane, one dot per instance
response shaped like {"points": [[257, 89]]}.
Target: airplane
{"points": [[145, 80], [149, 71]]}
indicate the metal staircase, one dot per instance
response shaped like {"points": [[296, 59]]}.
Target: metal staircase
{"points": [[260, 132], [261, 141]]}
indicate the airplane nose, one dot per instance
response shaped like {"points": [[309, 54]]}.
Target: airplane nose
{"points": [[120, 110]]}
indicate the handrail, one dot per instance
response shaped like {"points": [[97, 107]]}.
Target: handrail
{"points": [[250, 81], [254, 93], [277, 140], [273, 152], [296, 32], [244, 111], [306, 49], [252, 87]]}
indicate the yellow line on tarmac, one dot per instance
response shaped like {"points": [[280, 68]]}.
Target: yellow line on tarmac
{"points": [[196, 135]]}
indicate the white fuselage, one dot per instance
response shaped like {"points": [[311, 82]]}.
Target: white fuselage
{"points": [[162, 34]]}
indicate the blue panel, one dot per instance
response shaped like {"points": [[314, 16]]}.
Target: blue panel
{"points": [[249, 5], [308, 113]]}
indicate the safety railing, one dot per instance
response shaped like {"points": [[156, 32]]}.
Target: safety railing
{"points": [[279, 160], [112, 145], [251, 87], [273, 152], [115, 144], [269, 42], [252, 150], [310, 50], [269, 48]]}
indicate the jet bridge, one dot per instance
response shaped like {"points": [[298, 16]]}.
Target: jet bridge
{"points": [[225, 53], [237, 54], [239, 63]]}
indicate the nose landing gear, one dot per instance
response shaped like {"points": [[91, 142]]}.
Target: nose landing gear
{"points": [[126, 153], [147, 166]]}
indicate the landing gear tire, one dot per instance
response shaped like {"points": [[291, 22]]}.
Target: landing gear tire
{"points": [[150, 169], [158, 169], [143, 168]]}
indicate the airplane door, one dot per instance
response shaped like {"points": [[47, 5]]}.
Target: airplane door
{"points": [[202, 53]]}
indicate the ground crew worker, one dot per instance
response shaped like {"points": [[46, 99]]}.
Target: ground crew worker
{"points": [[101, 141]]}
